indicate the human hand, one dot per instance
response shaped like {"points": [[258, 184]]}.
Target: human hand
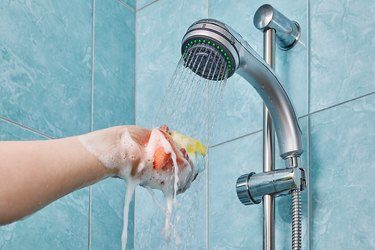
{"points": [[161, 162], [150, 158]]}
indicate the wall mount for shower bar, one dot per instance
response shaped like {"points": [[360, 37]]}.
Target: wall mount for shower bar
{"points": [[287, 32]]}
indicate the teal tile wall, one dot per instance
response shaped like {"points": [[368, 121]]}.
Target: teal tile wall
{"points": [[46, 65], [158, 50], [330, 79], [114, 64], [50, 87], [342, 176], [158, 53], [342, 45], [113, 105], [227, 216]]}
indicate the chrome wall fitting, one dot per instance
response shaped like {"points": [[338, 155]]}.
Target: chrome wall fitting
{"points": [[252, 187], [287, 32]]}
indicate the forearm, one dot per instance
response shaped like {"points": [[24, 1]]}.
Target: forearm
{"points": [[35, 173]]}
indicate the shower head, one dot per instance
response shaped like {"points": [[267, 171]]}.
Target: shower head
{"points": [[210, 43], [213, 50]]}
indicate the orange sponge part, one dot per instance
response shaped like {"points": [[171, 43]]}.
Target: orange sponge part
{"points": [[162, 160]]}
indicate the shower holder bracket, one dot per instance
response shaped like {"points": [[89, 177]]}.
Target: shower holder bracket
{"points": [[287, 32], [252, 187]]}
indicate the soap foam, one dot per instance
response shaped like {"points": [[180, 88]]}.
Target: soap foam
{"points": [[130, 188], [135, 164]]}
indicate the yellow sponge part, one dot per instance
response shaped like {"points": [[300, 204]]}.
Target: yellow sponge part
{"points": [[191, 145]]}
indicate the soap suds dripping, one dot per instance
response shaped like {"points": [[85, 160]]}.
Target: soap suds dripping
{"points": [[168, 181], [135, 164], [130, 188]]}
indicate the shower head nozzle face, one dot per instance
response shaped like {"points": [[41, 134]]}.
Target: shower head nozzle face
{"points": [[208, 61], [208, 51]]}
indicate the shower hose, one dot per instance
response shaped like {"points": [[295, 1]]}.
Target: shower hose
{"points": [[296, 219]]}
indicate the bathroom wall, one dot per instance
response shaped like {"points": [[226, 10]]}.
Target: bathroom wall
{"points": [[66, 68], [78, 59], [342, 135], [331, 80]]}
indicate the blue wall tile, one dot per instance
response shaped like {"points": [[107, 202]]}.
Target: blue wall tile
{"points": [[114, 65], [231, 224], [342, 45], [9, 131], [158, 52], [113, 105], [342, 172], [45, 65], [61, 225], [107, 215], [189, 230]]}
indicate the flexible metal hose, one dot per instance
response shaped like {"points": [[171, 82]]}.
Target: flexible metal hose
{"points": [[296, 220]]}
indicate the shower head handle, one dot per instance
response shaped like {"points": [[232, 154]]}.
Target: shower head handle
{"points": [[264, 80]]}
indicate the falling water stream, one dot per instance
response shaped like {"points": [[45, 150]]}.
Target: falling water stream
{"points": [[189, 106], [190, 101]]}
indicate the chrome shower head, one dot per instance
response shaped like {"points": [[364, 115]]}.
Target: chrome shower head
{"points": [[209, 42], [216, 44]]}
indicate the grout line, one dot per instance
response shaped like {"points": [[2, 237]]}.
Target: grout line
{"points": [[89, 214], [342, 103], [145, 6], [92, 66], [135, 66], [309, 194], [91, 112], [300, 117], [309, 191], [25, 127], [135, 114], [127, 6], [303, 116], [234, 139]]}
